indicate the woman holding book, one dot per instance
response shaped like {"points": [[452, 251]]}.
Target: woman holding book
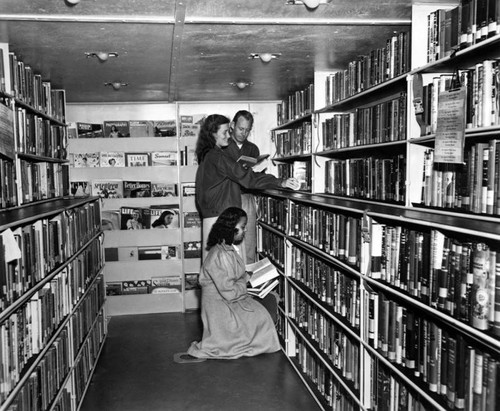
{"points": [[234, 324], [219, 177]]}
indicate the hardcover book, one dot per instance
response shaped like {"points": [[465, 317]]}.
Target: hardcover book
{"points": [[192, 249], [141, 128], [166, 284], [164, 158], [165, 128], [188, 189], [79, 188], [113, 129], [164, 216], [79, 160], [110, 219], [89, 130], [137, 159], [252, 162], [136, 189], [134, 218], [192, 219], [160, 189], [107, 188], [112, 159]]}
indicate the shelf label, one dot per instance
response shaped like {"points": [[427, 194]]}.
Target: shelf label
{"points": [[449, 146]]}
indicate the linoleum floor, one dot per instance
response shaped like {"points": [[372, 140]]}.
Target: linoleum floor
{"points": [[136, 372]]}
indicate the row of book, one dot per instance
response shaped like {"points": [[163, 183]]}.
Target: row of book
{"points": [[294, 141], [272, 246], [21, 81], [43, 180], [37, 249], [381, 123], [300, 170], [272, 211], [440, 359], [462, 26], [373, 178], [39, 136], [118, 188], [367, 71], [298, 104], [472, 187]]}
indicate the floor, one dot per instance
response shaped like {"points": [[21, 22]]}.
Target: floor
{"points": [[136, 371]]}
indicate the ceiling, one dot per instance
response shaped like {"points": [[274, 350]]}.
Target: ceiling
{"points": [[191, 50]]}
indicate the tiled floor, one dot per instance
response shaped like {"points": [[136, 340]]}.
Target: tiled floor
{"points": [[136, 371]]}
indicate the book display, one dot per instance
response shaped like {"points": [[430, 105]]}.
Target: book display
{"points": [[142, 204], [389, 285]]}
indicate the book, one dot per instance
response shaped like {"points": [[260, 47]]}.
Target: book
{"points": [[112, 159], [107, 188], [188, 189], [110, 219], [137, 159], [192, 219], [261, 272], [164, 216], [160, 189], [164, 158], [134, 218], [166, 284], [192, 249], [79, 188], [165, 128], [250, 162], [264, 289], [189, 130], [79, 160], [141, 128], [89, 130], [136, 189], [113, 129]]}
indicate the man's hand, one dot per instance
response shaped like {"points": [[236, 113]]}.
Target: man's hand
{"points": [[292, 183]]}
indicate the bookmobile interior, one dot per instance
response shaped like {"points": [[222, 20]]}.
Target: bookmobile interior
{"points": [[388, 112]]}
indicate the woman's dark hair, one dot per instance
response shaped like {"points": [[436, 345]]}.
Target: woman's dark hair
{"points": [[206, 140], [223, 229], [161, 219]]}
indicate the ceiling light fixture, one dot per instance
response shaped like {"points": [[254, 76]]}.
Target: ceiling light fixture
{"points": [[72, 2], [310, 4], [265, 57], [242, 84], [102, 56], [117, 85]]}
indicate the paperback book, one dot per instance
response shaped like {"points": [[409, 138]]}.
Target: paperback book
{"points": [[136, 189], [107, 188], [192, 249], [80, 160], [165, 128], [164, 216], [112, 159], [114, 129], [110, 219], [164, 158], [141, 128], [137, 159], [79, 188], [160, 189], [134, 218]]}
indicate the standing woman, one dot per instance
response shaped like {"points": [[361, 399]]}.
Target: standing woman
{"points": [[219, 177]]}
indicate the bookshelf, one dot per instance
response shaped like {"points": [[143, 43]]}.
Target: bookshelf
{"points": [[389, 301]]}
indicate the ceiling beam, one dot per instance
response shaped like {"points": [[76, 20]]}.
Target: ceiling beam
{"points": [[180, 13]]}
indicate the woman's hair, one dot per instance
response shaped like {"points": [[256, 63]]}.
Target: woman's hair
{"points": [[224, 228], [161, 219], [206, 140]]}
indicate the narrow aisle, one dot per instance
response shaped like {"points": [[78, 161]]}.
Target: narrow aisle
{"points": [[136, 372]]}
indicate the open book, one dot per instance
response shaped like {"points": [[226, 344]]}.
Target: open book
{"points": [[261, 272], [252, 162]]}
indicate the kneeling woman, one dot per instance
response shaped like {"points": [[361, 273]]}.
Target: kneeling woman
{"points": [[234, 324]]}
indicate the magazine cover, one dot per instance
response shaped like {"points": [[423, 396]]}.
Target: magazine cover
{"points": [[163, 189], [191, 281], [110, 220], [188, 189], [166, 284], [89, 130], [189, 130], [192, 219], [113, 129], [79, 188], [136, 189], [79, 160], [141, 128], [114, 288], [112, 159], [137, 159], [134, 218], [192, 249], [164, 216], [136, 287], [107, 188], [165, 128], [159, 252], [164, 158]]}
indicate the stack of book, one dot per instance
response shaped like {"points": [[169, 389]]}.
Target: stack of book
{"points": [[263, 277]]}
